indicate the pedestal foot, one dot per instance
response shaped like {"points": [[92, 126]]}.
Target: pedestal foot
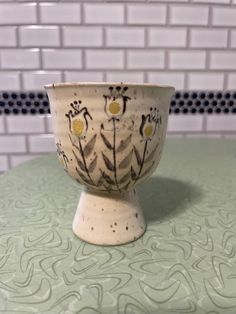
{"points": [[109, 218]]}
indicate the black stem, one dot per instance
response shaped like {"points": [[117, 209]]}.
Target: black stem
{"points": [[80, 149], [114, 152], [143, 159], [84, 160]]}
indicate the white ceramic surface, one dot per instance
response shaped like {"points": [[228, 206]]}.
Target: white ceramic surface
{"points": [[109, 137]]}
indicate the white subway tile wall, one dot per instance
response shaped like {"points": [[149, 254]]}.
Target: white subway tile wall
{"points": [[149, 14], [146, 59], [62, 59], [125, 37], [20, 59], [124, 76], [167, 37], [12, 144], [75, 36], [43, 143], [231, 81], [59, 13], [18, 13], [49, 40], [189, 15], [190, 44], [202, 38], [170, 78], [37, 79], [104, 59], [221, 123], [187, 60], [2, 127], [184, 123], [84, 76], [8, 36], [10, 80], [97, 13], [39, 36], [25, 124], [3, 163], [201, 81]]}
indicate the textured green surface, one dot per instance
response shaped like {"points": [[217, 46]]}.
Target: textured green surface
{"points": [[185, 263]]}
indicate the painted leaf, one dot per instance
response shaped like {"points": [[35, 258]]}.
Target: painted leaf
{"points": [[147, 170], [137, 155], [73, 144], [126, 161], [125, 178], [79, 162], [108, 188], [108, 163], [100, 181], [133, 174], [106, 142], [93, 164], [126, 186], [90, 146], [82, 176], [107, 178], [151, 155], [124, 144]]}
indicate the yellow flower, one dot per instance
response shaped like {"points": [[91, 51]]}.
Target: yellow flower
{"points": [[149, 123], [114, 107], [78, 119], [78, 127], [115, 102], [148, 130]]}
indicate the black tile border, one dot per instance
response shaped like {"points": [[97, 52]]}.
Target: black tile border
{"points": [[183, 102]]}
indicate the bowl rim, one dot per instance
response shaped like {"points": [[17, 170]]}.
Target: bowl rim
{"points": [[98, 84]]}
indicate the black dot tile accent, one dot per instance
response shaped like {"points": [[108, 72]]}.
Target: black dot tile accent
{"points": [[203, 102], [183, 102]]}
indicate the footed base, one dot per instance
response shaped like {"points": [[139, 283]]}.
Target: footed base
{"points": [[109, 218]]}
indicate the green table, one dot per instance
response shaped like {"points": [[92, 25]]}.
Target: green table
{"points": [[185, 262]]}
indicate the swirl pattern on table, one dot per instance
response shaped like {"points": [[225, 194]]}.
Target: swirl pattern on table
{"points": [[185, 262]]}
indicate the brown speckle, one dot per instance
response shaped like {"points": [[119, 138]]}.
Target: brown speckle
{"points": [[115, 223], [111, 226], [127, 228], [136, 215], [92, 228], [114, 230], [102, 209]]}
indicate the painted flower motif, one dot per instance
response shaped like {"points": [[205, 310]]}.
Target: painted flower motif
{"points": [[115, 102], [149, 124], [78, 119], [78, 127]]}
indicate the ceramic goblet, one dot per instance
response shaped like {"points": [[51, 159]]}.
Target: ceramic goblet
{"points": [[109, 138]]}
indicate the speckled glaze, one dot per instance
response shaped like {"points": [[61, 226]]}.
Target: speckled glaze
{"points": [[109, 138]]}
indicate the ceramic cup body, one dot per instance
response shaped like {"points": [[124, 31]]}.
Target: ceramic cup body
{"points": [[109, 137]]}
